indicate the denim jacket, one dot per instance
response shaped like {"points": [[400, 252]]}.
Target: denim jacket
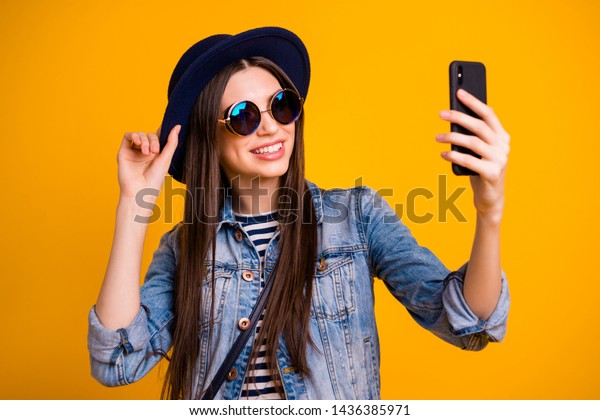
{"points": [[359, 238]]}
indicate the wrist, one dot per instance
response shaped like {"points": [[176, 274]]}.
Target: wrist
{"points": [[132, 209], [489, 218]]}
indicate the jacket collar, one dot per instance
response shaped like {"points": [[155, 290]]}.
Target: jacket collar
{"points": [[227, 215]]}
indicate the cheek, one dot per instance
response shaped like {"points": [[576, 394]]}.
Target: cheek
{"points": [[226, 155], [231, 152]]}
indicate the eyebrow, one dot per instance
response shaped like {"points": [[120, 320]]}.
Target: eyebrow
{"points": [[247, 100]]}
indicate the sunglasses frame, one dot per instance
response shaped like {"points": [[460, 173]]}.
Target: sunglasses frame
{"points": [[227, 120]]}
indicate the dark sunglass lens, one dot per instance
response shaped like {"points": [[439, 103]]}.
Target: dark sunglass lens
{"points": [[286, 107], [244, 118]]}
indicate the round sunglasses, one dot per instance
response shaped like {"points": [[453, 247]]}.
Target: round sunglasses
{"points": [[243, 118]]}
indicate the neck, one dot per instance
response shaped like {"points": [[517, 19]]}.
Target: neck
{"points": [[256, 195]]}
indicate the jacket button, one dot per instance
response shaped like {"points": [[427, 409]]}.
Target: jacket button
{"points": [[232, 374], [322, 265], [238, 235], [248, 275], [244, 324]]}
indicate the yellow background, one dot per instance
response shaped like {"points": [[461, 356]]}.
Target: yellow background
{"points": [[76, 75]]}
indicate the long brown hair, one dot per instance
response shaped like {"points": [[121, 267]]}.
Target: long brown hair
{"points": [[288, 310]]}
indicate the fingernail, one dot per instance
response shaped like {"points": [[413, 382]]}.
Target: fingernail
{"points": [[444, 154], [444, 114], [439, 136]]}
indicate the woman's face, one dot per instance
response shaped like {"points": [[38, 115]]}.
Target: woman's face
{"points": [[239, 155]]}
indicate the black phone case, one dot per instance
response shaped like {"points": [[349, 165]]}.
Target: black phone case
{"points": [[472, 79]]}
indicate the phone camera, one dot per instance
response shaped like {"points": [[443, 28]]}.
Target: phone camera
{"points": [[460, 75]]}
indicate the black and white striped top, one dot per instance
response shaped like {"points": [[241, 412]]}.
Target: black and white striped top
{"points": [[258, 383]]}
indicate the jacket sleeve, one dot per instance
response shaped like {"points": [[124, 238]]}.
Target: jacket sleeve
{"points": [[124, 356], [417, 278]]}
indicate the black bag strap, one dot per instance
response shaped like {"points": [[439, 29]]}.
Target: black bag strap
{"points": [[239, 344]]}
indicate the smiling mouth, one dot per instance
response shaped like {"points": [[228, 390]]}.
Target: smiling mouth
{"points": [[269, 149]]}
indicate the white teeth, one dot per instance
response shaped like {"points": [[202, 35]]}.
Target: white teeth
{"points": [[268, 149]]}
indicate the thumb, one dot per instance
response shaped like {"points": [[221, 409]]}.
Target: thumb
{"points": [[167, 152]]}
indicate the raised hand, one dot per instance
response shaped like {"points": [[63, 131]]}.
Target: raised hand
{"points": [[491, 142], [141, 163]]}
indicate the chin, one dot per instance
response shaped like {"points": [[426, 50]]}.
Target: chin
{"points": [[251, 170], [272, 174]]}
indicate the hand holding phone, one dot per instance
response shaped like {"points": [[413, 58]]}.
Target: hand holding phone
{"points": [[469, 76]]}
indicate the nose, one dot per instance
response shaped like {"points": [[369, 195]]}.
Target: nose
{"points": [[267, 126]]}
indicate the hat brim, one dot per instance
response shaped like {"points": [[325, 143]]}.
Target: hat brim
{"points": [[279, 45]]}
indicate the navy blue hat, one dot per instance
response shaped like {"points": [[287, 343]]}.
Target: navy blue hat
{"points": [[208, 57]]}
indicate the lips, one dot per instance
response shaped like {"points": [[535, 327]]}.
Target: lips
{"points": [[269, 149], [273, 152], [266, 148]]}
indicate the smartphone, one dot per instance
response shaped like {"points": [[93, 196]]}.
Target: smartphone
{"points": [[470, 76]]}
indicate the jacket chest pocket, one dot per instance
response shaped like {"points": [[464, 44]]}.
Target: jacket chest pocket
{"points": [[212, 306], [333, 287]]}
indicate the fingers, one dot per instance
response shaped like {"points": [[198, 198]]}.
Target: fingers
{"points": [[145, 148], [132, 140], [470, 162], [487, 129], [138, 141], [490, 140], [475, 125], [483, 110], [154, 143], [491, 171], [470, 142], [146, 143]]}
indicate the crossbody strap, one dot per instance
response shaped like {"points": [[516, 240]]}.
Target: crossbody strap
{"points": [[239, 344]]}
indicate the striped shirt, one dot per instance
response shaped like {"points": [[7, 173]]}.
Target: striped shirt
{"points": [[258, 383]]}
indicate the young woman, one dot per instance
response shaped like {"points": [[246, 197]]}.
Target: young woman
{"points": [[233, 133]]}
